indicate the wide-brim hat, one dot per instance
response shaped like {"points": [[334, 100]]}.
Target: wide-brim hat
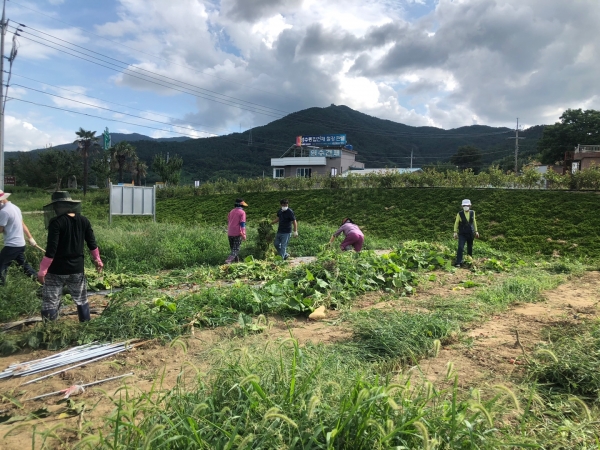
{"points": [[4, 195], [62, 196]]}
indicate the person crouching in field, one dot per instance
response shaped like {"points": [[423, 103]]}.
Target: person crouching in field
{"points": [[354, 238], [236, 229], [465, 230], [63, 262]]}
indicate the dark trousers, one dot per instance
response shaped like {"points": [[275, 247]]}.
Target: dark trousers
{"points": [[462, 239], [10, 254]]}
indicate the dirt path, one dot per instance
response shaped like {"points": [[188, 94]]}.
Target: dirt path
{"points": [[495, 354], [491, 357]]}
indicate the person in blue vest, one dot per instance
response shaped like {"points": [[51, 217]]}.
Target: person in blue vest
{"points": [[465, 230]]}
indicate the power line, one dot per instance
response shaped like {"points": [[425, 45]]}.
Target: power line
{"points": [[150, 71], [149, 79], [99, 117], [145, 53], [257, 108], [112, 110], [106, 101]]}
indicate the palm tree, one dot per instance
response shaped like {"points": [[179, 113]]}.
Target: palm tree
{"points": [[140, 170], [87, 140], [122, 156]]}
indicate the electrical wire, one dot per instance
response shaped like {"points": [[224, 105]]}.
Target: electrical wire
{"points": [[142, 52], [112, 110], [99, 117], [257, 108], [106, 101]]}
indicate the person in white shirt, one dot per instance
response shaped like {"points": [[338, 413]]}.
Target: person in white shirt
{"points": [[14, 230]]}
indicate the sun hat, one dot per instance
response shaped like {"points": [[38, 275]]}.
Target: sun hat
{"points": [[62, 196], [60, 203], [240, 202], [466, 202], [4, 195]]}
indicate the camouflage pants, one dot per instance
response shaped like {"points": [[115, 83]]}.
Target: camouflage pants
{"points": [[53, 286]]}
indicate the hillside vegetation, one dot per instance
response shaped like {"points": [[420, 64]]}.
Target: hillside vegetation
{"points": [[379, 143]]}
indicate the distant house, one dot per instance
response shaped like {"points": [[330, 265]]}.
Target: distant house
{"points": [[583, 157], [308, 160], [380, 171]]}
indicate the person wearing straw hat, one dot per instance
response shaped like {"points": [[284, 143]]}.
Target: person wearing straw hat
{"points": [[236, 229], [14, 230], [465, 230], [62, 265]]}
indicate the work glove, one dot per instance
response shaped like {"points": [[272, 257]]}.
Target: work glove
{"points": [[477, 235], [295, 234], [455, 235], [32, 242]]}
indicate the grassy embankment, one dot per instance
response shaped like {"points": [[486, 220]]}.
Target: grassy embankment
{"points": [[284, 396]]}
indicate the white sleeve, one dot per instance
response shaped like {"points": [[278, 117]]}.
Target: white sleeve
{"points": [[3, 219]]}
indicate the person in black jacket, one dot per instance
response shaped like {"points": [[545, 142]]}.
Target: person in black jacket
{"points": [[286, 219], [465, 230], [63, 263]]}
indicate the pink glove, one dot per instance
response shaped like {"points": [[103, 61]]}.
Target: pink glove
{"points": [[96, 257], [44, 266]]}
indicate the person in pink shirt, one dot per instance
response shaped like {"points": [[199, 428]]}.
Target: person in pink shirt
{"points": [[354, 238], [236, 229]]}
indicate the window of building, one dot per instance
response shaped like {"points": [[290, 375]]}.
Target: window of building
{"points": [[278, 173], [305, 172]]}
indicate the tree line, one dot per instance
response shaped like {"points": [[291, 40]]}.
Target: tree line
{"points": [[90, 163]]}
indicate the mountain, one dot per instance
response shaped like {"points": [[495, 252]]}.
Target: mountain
{"points": [[379, 143]]}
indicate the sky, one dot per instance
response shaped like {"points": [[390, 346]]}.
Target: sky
{"points": [[209, 67]]}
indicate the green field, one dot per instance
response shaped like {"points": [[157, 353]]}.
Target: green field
{"points": [[357, 393]]}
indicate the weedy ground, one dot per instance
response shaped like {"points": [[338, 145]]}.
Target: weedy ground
{"points": [[232, 363]]}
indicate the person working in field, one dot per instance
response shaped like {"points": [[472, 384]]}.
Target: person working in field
{"points": [[465, 230], [354, 237], [14, 230], [286, 219], [62, 265], [236, 229]]}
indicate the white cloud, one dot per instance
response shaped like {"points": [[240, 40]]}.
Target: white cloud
{"points": [[21, 135], [74, 97]]}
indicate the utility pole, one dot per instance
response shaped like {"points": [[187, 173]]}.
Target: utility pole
{"points": [[411, 156], [516, 138], [2, 93]]}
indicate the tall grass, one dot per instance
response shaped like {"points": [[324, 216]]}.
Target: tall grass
{"points": [[570, 361], [289, 397], [398, 335]]}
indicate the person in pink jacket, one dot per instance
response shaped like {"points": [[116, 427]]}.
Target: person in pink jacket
{"points": [[354, 238], [236, 229]]}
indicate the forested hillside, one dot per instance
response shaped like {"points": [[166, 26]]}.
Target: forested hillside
{"points": [[379, 143]]}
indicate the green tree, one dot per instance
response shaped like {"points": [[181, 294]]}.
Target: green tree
{"points": [[101, 167], [575, 127], [140, 170], [87, 142], [60, 164], [122, 158], [168, 171], [467, 157]]}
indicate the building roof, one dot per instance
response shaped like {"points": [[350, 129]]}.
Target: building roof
{"points": [[358, 171]]}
